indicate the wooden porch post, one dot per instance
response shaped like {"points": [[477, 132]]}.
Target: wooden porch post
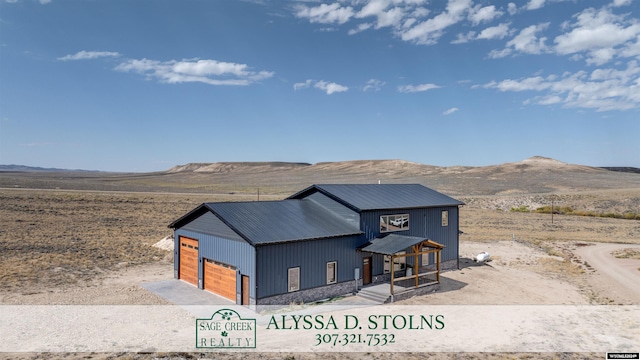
{"points": [[393, 268], [416, 268], [438, 264]]}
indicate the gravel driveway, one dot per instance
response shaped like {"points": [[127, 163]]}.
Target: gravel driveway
{"points": [[618, 278]]}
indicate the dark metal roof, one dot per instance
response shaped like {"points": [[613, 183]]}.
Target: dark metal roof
{"points": [[382, 196], [267, 222], [394, 243]]}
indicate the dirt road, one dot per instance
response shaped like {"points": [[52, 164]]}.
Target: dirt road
{"points": [[617, 279]]}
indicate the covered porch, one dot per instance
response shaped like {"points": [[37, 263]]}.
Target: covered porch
{"points": [[419, 275]]}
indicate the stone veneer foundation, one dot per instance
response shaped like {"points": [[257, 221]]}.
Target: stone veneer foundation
{"points": [[345, 288]]}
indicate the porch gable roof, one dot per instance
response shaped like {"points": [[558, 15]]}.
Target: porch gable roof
{"points": [[393, 243]]}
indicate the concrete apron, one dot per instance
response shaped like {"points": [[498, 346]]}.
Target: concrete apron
{"points": [[181, 293]]}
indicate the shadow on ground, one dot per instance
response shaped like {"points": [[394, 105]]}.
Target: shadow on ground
{"points": [[468, 263]]}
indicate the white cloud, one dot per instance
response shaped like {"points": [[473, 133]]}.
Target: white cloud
{"points": [[360, 28], [302, 85], [549, 100], [326, 14], [373, 8], [483, 14], [534, 4], [526, 42], [374, 85], [464, 38], [417, 88], [495, 32], [88, 55], [617, 3], [631, 49], [512, 8], [600, 56], [407, 19], [328, 87], [210, 72], [599, 34], [603, 89], [420, 12], [394, 17], [429, 31], [497, 54], [450, 111]]}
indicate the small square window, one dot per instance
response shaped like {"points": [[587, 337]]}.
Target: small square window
{"points": [[294, 279], [331, 272]]}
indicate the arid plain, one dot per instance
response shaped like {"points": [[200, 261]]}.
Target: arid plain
{"points": [[86, 237]]}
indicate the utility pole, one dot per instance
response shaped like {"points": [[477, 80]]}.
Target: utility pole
{"points": [[552, 200]]}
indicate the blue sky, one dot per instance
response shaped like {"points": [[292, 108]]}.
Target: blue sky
{"points": [[144, 85]]}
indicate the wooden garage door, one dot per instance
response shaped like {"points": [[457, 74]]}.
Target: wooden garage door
{"points": [[189, 260], [220, 279]]}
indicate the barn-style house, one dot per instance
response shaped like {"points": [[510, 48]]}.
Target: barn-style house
{"points": [[324, 241]]}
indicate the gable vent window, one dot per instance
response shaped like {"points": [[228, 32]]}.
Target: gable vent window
{"points": [[445, 218], [390, 223], [294, 279]]}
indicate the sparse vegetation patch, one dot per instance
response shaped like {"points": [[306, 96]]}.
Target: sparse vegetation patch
{"points": [[51, 238], [568, 210], [627, 254]]}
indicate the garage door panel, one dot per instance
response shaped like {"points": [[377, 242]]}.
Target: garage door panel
{"points": [[220, 279], [189, 260]]}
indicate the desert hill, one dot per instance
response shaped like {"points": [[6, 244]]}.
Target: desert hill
{"points": [[530, 176], [223, 167]]}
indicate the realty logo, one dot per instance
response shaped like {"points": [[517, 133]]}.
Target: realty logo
{"points": [[226, 329]]}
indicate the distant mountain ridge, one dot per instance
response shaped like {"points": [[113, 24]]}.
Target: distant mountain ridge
{"points": [[351, 165], [534, 175], [256, 166], [14, 167], [219, 167]]}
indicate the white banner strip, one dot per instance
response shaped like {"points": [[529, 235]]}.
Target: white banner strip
{"points": [[322, 328]]}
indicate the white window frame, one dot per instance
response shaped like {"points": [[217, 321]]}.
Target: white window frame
{"points": [[399, 263], [445, 217], [335, 272], [291, 273], [387, 219]]}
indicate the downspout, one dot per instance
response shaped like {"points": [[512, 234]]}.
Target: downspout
{"points": [[458, 236]]}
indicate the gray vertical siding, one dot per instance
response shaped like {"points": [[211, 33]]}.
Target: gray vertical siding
{"points": [[236, 253], [425, 222], [273, 262]]}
